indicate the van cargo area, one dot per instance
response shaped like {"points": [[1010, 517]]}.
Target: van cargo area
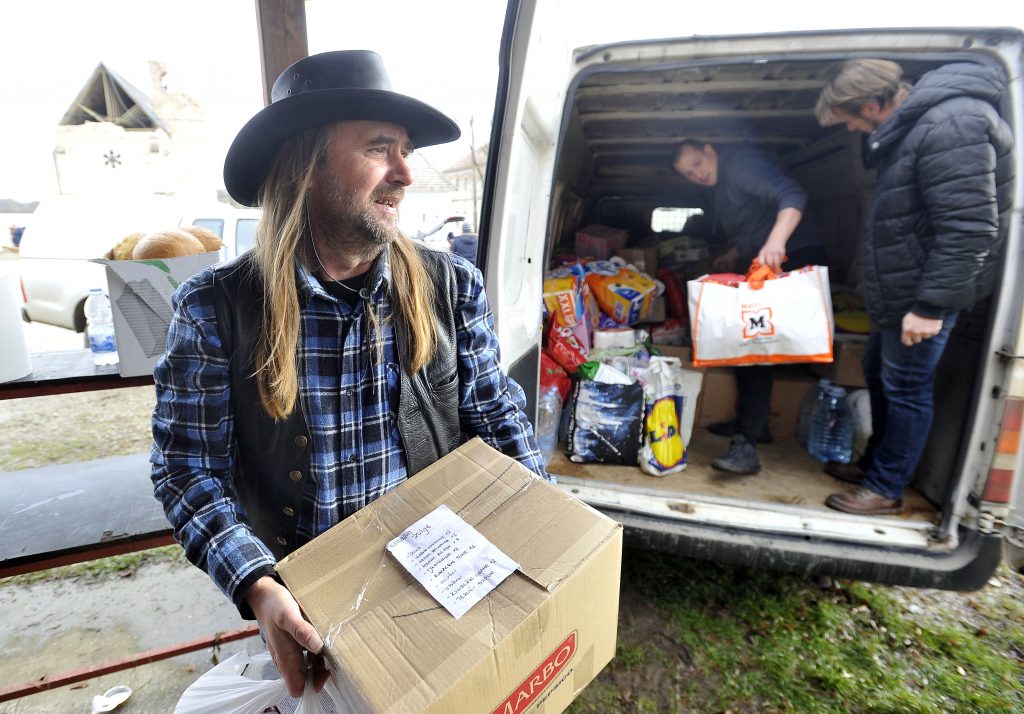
{"points": [[626, 109]]}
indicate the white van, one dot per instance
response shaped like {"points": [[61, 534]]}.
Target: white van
{"points": [[588, 138], [235, 226], [68, 231]]}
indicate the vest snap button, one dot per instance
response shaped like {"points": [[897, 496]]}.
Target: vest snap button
{"points": [[282, 540], [295, 475], [301, 441], [288, 511]]}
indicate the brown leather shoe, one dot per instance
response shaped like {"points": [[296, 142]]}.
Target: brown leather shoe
{"points": [[864, 502], [850, 473]]}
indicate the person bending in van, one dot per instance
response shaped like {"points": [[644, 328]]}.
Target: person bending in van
{"points": [[760, 211], [338, 358], [932, 243]]}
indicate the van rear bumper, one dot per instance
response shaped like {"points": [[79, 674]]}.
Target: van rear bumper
{"points": [[967, 567]]}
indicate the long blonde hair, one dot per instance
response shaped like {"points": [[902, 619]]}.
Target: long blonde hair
{"points": [[282, 243]]}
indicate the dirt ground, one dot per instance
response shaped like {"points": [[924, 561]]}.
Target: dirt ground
{"points": [[63, 625]]}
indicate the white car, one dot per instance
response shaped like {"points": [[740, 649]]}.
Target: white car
{"points": [[235, 226], [68, 231]]}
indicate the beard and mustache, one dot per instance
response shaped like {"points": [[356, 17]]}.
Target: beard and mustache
{"points": [[348, 225]]}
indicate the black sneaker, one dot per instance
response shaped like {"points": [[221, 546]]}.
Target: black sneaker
{"points": [[728, 428], [740, 459]]}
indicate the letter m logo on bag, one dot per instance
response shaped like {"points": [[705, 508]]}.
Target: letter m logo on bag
{"points": [[758, 322]]}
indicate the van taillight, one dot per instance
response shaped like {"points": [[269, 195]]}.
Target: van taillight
{"points": [[24, 295], [999, 486]]}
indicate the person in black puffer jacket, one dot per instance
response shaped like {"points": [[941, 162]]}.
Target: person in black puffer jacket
{"points": [[932, 247]]}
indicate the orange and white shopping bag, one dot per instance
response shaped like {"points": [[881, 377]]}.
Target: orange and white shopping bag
{"points": [[763, 319]]}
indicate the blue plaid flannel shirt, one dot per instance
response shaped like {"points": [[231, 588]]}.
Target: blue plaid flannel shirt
{"points": [[193, 419]]}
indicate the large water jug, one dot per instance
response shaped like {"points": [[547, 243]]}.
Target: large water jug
{"points": [[549, 413], [808, 406], [832, 428]]}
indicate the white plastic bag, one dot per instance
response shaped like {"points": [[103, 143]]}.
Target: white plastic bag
{"points": [[664, 450], [225, 690], [783, 320]]}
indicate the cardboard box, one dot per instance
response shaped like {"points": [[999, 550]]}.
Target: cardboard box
{"points": [[656, 313], [685, 354], [719, 396], [602, 242], [531, 644], [140, 295], [717, 401], [787, 395], [847, 368], [643, 259]]}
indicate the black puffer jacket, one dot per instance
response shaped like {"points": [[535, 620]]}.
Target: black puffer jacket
{"points": [[939, 220]]}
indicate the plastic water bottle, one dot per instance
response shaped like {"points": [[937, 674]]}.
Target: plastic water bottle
{"points": [[808, 406], [832, 428], [100, 323], [549, 413]]}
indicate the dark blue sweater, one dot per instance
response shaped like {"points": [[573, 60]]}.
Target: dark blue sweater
{"points": [[750, 192]]}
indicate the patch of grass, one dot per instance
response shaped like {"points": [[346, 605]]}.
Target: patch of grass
{"points": [[629, 656], [65, 428], [762, 641], [117, 565]]}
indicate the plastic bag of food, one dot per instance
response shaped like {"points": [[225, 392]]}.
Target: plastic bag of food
{"points": [[606, 423], [669, 399], [237, 686]]}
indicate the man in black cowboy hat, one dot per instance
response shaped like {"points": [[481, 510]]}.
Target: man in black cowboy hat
{"points": [[315, 373]]}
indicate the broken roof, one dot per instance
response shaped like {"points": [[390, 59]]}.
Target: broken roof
{"points": [[109, 97]]}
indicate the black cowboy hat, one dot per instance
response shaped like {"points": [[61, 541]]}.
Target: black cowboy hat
{"points": [[322, 89]]}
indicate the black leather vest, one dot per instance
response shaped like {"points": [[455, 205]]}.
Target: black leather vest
{"points": [[272, 459]]}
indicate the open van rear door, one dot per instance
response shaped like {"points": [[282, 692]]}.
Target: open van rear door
{"points": [[575, 132], [518, 182]]}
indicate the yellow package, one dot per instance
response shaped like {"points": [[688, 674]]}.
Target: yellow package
{"points": [[562, 300], [626, 297]]}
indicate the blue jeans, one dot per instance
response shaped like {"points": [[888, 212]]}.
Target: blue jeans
{"points": [[899, 379]]}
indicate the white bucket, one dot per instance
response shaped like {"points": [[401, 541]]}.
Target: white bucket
{"points": [[14, 362]]}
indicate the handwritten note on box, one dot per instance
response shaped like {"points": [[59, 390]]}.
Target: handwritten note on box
{"points": [[451, 559]]}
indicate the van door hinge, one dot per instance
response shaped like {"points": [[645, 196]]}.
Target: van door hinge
{"points": [[1005, 354], [988, 523]]}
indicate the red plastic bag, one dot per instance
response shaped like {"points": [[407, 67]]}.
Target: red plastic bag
{"points": [[565, 349], [675, 296], [552, 375]]}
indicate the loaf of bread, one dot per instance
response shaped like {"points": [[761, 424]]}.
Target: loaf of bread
{"points": [[210, 240], [124, 249], [167, 244]]}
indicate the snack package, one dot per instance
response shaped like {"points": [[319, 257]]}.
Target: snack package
{"points": [[562, 299], [565, 349], [625, 294], [569, 301], [553, 375]]}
